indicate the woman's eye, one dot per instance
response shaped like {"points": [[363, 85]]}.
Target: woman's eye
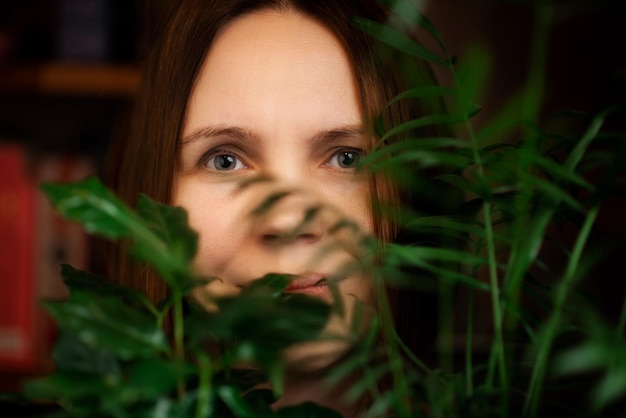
{"points": [[345, 159], [224, 162]]}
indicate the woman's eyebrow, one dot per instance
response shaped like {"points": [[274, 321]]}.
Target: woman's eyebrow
{"points": [[210, 131], [348, 131], [329, 135]]}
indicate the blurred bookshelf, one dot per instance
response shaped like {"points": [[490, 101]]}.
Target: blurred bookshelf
{"points": [[69, 71], [71, 79]]}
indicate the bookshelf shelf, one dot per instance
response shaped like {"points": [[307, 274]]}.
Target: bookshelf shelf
{"points": [[76, 79]]}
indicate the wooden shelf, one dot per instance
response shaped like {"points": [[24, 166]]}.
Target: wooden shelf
{"points": [[75, 79]]}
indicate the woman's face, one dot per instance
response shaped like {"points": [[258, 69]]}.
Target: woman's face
{"points": [[276, 99]]}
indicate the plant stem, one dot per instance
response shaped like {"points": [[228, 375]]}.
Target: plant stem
{"points": [[409, 353], [204, 406], [469, 373], [399, 378], [491, 257], [445, 309], [179, 335], [531, 404], [498, 352]]}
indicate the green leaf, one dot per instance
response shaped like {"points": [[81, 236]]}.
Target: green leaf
{"points": [[279, 320], [108, 323], [418, 254], [556, 170], [554, 192], [590, 134], [455, 227], [68, 385], [424, 159], [90, 203], [151, 379], [611, 388], [423, 91], [83, 281], [473, 74], [421, 122], [269, 202], [93, 205], [397, 40], [231, 397], [72, 354], [421, 144], [171, 226]]}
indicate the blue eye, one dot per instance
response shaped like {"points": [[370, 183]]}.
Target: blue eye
{"points": [[345, 159], [225, 162]]}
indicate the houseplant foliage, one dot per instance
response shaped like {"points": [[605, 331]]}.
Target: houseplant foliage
{"points": [[520, 183], [113, 357]]}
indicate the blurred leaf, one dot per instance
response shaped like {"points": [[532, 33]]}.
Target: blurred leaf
{"points": [[280, 320], [91, 204], [82, 281], [587, 357], [602, 351], [72, 354], [554, 192], [611, 387], [230, 396], [590, 134], [408, 11], [67, 385], [151, 379], [556, 170], [455, 227], [269, 202], [274, 282], [164, 407], [445, 143], [171, 226], [108, 323], [421, 122], [473, 75], [423, 159], [414, 253], [397, 40], [423, 91]]}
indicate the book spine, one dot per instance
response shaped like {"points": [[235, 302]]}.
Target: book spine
{"points": [[34, 241], [18, 324]]}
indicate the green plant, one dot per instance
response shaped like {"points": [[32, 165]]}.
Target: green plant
{"points": [[114, 359]]}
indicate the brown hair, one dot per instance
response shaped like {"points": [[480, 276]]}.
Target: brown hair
{"points": [[150, 154]]}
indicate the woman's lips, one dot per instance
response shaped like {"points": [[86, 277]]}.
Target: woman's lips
{"points": [[314, 284]]}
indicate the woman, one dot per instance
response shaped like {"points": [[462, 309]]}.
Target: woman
{"points": [[288, 93]]}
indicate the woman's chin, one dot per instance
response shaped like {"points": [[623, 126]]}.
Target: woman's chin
{"points": [[315, 356]]}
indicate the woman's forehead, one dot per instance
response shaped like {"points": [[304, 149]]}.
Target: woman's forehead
{"points": [[275, 68]]}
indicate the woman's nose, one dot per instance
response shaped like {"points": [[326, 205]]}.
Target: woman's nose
{"points": [[289, 219]]}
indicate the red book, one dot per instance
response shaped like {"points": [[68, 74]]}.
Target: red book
{"points": [[35, 240], [18, 323]]}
